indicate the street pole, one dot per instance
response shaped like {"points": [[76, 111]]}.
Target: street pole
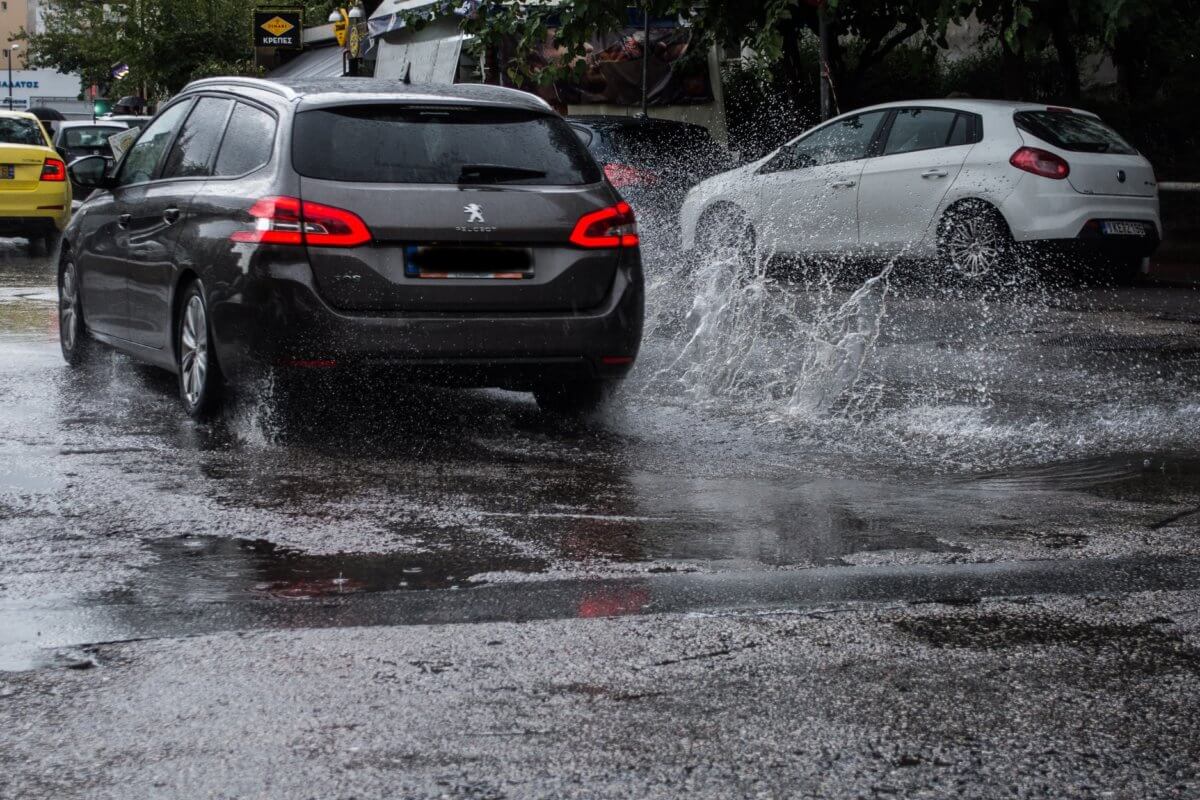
{"points": [[8, 58], [645, 59], [823, 57]]}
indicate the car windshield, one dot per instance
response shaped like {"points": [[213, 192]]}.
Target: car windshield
{"points": [[387, 143], [89, 137], [1070, 131], [16, 130]]}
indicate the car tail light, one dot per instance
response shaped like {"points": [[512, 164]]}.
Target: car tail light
{"points": [[614, 226], [1040, 162], [287, 220], [622, 175], [54, 170]]}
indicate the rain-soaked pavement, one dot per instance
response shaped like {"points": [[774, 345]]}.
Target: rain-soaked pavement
{"points": [[831, 540]]}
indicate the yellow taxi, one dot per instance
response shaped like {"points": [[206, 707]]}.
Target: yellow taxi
{"points": [[35, 195]]}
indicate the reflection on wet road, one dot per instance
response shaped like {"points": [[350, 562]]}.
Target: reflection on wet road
{"points": [[983, 430]]}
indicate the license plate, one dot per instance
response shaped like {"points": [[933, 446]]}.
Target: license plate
{"points": [[1124, 229], [6, 171], [468, 263]]}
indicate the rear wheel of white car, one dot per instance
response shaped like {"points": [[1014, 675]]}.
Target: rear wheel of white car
{"points": [[726, 235], [974, 240]]}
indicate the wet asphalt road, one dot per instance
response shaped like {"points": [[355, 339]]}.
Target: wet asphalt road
{"points": [[965, 567]]}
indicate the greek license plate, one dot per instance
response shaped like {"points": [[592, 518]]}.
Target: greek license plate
{"points": [[6, 171], [1124, 229]]}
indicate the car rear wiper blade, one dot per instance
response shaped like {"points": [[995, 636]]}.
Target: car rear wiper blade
{"points": [[496, 173]]}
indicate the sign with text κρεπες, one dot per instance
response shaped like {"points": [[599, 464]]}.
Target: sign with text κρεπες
{"points": [[278, 28]]}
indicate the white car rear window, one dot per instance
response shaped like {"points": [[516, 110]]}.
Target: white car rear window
{"points": [[1071, 131]]}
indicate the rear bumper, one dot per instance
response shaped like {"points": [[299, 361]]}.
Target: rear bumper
{"points": [[275, 318], [1040, 209], [36, 212], [28, 226]]}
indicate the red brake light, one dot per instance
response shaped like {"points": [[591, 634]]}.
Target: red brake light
{"points": [[622, 175], [1040, 162], [287, 220], [614, 226], [54, 170]]}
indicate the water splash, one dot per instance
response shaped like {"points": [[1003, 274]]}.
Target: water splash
{"points": [[722, 329]]}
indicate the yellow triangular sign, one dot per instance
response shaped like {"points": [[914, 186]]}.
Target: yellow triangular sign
{"points": [[277, 26]]}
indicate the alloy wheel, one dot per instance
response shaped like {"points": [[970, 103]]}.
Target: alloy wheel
{"points": [[193, 351], [974, 244], [68, 309]]}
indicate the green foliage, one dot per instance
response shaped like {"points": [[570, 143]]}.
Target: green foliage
{"points": [[165, 43]]}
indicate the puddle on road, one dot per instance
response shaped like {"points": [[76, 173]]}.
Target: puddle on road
{"points": [[767, 427], [212, 568]]}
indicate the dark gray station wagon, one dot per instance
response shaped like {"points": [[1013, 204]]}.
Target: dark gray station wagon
{"points": [[455, 234]]}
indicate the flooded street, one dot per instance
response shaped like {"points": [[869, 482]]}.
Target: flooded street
{"points": [[820, 485]]}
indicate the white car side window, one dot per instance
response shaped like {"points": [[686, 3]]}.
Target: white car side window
{"points": [[845, 140], [916, 129]]}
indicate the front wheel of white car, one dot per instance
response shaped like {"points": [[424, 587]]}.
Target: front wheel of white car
{"points": [[974, 241], [725, 234]]}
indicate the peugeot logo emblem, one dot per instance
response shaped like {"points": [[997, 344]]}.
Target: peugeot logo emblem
{"points": [[475, 213], [1120, 176]]}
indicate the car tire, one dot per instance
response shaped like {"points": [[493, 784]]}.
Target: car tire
{"points": [[574, 398], [50, 243], [725, 233], [200, 383], [973, 241], [73, 338]]}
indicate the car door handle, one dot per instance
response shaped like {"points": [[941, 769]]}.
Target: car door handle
{"points": [[934, 173], [123, 220], [843, 184], [170, 215]]}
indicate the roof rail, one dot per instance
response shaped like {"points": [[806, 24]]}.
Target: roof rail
{"points": [[249, 83]]}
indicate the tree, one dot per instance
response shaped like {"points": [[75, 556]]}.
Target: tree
{"points": [[773, 29], [164, 43]]}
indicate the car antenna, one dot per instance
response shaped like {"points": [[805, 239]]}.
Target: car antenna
{"points": [[407, 73]]}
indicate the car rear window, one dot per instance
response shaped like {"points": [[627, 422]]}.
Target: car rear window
{"points": [[389, 143], [15, 130], [89, 137], [1071, 131]]}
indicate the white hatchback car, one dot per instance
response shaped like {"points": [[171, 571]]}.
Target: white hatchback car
{"points": [[968, 182]]}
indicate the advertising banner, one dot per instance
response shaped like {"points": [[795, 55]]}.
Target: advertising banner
{"points": [[279, 28]]}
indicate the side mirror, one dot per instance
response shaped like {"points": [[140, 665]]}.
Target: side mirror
{"points": [[90, 172]]}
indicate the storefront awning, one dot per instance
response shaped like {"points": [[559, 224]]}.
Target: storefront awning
{"points": [[321, 62], [390, 15], [429, 55]]}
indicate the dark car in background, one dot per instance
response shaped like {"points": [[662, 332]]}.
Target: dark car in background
{"points": [[449, 234], [78, 138], [652, 162], [129, 120]]}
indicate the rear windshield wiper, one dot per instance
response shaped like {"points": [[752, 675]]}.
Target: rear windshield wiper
{"points": [[496, 173]]}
